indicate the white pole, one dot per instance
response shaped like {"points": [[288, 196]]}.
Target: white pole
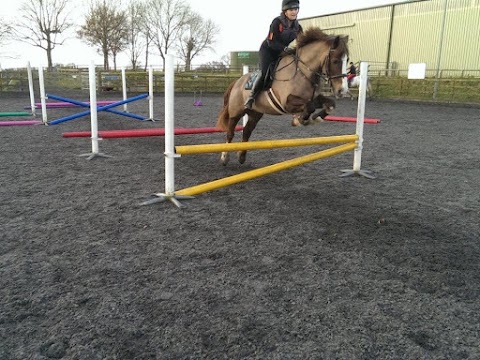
{"points": [[357, 153], [93, 107], [245, 117], [169, 139], [344, 71], [124, 89], [42, 95], [92, 84], [362, 95], [30, 87], [150, 92], [169, 126]]}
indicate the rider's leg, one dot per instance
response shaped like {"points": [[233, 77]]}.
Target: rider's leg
{"points": [[256, 88], [349, 78], [266, 58]]}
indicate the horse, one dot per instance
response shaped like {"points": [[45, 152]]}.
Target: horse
{"points": [[318, 57], [355, 83]]}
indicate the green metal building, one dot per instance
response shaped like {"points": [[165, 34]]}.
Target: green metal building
{"points": [[444, 34]]}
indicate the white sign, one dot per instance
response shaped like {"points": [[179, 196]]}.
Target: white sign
{"points": [[417, 71]]}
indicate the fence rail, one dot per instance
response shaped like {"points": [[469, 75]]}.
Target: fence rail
{"points": [[450, 86]]}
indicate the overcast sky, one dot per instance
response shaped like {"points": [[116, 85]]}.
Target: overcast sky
{"points": [[241, 29]]}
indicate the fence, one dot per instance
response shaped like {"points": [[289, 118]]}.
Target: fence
{"points": [[452, 85]]}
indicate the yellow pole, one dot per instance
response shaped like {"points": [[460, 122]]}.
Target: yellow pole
{"points": [[264, 144], [252, 174]]}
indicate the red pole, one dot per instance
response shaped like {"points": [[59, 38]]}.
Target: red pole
{"points": [[350, 119], [115, 134]]}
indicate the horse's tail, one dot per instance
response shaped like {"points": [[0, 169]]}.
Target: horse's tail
{"points": [[224, 116]]}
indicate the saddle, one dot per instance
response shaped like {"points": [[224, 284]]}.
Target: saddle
{"points": [[266, 86], [267, 82]]}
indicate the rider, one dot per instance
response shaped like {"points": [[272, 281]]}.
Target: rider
{"points": [[352, 72], [283, 30]]}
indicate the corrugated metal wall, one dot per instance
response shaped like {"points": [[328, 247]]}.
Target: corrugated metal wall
{"points": [[415, 31], [367, 24]]}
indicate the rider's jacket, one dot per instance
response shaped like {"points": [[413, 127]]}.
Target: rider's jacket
{"points": [[280, 34]]}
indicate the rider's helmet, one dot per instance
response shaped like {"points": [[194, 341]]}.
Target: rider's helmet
{"points": [[290, 4]]}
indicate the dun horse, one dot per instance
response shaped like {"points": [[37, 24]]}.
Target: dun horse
{"points": [[318, 57]]}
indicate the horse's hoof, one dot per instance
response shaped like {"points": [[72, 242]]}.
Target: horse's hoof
{"points": [[224, 158], [242, 156]]}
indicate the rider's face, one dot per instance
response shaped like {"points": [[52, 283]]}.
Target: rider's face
{"points": [[291, 14]]}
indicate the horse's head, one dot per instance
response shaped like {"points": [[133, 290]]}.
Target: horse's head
{"points": [[327, 54], [334, 64]]}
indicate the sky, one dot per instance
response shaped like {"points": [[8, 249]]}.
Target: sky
{"points": [[240, 30]]}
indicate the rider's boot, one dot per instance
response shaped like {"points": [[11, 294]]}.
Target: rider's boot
{"points": [[257, 87]]}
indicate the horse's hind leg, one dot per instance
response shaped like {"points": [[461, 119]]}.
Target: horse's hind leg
{"points": [[247, 132], [232, 123], [349, 94]]}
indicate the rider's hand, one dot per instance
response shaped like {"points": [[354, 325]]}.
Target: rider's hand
{"points": [[288, 51]]}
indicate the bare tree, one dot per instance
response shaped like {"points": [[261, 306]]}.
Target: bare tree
{"points": [[197, 36], [119, 37], [6, 31], [106, 29], [42, 24], [148, 36], [165, 21], [226, 60], [136, 13]]}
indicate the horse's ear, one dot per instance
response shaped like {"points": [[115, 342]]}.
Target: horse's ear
{"points": [[336, 42], [339, 39]]}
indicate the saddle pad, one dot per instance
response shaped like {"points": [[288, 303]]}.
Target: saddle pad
{"points": [[251, 79]]}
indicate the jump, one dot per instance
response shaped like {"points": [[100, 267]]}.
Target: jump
{"points": [[317, 57]]}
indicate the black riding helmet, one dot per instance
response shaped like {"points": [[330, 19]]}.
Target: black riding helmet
{"points": [[290, 4]]}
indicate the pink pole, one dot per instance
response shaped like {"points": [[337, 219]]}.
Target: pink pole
{"points": [[20, 123], [59, 105], [115, 134]]}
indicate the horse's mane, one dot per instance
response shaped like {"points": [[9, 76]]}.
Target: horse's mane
{"points": [[314, 34]]}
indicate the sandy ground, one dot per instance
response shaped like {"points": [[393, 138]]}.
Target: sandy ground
{"points": [[302, 264]]}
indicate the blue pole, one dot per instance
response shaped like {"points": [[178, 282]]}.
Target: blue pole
{"points": [[127, 114], [87, 105], [101, 108], [71, 101]]}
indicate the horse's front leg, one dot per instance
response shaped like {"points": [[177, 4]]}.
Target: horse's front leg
{"points": [[247, 132], [232, 123], [309, 109], [328, 106]]}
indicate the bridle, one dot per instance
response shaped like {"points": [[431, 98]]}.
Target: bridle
{"points": [[322, 73]]}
